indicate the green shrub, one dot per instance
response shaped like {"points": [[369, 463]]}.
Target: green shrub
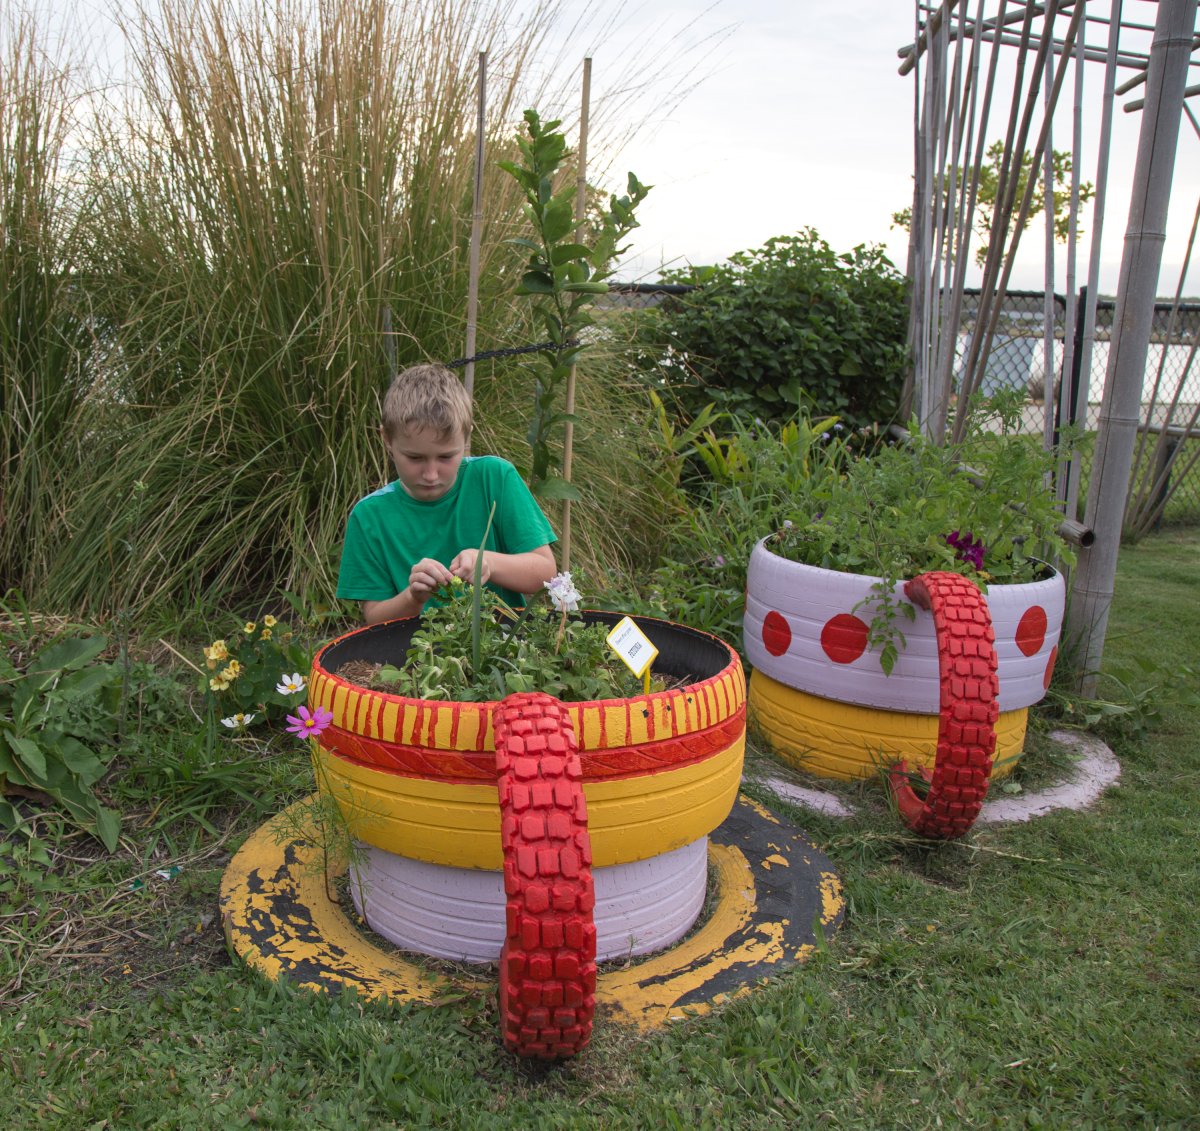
{"points": [[790, 321]]}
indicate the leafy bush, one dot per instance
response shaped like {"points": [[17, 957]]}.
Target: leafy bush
{"points": [[791, 321], [57, 709]]}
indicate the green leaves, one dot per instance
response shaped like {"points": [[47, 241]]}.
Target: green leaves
{"points": [[786, 320], [563, 273], [534, 650], [51, 717]]}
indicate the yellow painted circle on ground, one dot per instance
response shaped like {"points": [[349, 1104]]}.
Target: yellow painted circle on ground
{"points": [[775, 891], [839, 740]]}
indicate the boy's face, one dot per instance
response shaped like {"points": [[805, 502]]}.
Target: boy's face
{"points": [[426, 461]]}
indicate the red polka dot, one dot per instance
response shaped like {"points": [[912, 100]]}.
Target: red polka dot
{"points": [[776, 634], [844, 638], [1031, 632], [1050, 667]]}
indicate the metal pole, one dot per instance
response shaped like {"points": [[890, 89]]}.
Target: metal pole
{"points": [[1096, 570]]}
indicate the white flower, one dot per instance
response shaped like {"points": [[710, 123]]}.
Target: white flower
{"points": [[290, 684], [563, 594], [238, 721]]}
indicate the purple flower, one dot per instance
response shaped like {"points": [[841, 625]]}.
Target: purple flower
{"points": [[967, 548], [308, 724]]}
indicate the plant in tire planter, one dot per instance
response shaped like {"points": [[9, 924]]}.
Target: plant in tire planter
{"points": [[849, 648], [605, 805]]}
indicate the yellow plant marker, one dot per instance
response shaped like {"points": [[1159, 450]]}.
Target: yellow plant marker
{"points": [[634, 647]]}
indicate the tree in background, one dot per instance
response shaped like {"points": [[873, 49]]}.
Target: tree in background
{"points": [[989, 181]]}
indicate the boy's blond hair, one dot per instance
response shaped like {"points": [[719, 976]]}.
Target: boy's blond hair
{"points": [[427, 397]]}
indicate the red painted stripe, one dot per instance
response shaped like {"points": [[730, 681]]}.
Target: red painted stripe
{"points": [[605, 764]]}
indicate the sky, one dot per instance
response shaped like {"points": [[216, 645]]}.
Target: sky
{"points": [[757, 118], [801, 119]]}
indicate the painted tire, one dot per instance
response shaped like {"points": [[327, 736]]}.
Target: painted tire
{"points": [[548, 962], [845, 741], [966, 725], [458, 914], [417, 777], [804, 628]]}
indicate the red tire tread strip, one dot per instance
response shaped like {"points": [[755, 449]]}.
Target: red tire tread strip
{"points": [[548, 961], [967, 719]]}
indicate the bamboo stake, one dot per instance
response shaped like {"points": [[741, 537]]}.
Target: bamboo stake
{"points": [[1091, 593], [1048, 265], [947, 229], [991, 298], [580, 214], [476, 232], [971, 183], [1062, 475], [1088, 338]]}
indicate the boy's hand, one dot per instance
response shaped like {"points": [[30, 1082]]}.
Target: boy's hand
{"points": [[427, 576], [463, 565]]}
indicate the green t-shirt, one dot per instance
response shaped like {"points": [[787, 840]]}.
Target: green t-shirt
{"points": [[389, 531]]}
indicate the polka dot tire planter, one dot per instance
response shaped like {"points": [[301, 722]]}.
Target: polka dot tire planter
{"points": [[822, 701], [806, 628], [537, 793]]}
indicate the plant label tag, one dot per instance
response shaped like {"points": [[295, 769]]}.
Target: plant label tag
{"points": [[632, 645]]}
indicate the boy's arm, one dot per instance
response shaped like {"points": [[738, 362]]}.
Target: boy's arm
{"points": [[423, 579], [522, 573]]}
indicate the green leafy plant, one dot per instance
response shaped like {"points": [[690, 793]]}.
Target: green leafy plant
{"points": [[539, 649], [982, 508], [255, 673], [57, 718], [788, 320], [566, 269]]}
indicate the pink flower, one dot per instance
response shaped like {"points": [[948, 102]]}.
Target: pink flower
{"points": [[308, 724]]}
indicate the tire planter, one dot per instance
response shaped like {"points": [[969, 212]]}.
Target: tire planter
{"points": [[822, 701], [582, 813]]}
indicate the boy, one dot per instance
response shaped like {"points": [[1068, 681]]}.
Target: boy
{"points": [[416, 534]]}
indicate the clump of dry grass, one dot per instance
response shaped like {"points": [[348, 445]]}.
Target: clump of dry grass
{"points": [[283, 214]]}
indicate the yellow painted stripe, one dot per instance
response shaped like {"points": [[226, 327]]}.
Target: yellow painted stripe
{"points": [[459, 824], [841, 740]]}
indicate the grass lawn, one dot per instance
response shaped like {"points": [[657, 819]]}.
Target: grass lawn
{"points": [[1040, 975]]}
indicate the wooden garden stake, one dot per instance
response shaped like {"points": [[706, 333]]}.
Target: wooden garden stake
{"points": [[580, 213]]}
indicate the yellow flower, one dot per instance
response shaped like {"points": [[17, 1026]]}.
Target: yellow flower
{"points": [[249, 628], [270, 621], [266, 634], [218, 684], [216, 651], [231, 672]]}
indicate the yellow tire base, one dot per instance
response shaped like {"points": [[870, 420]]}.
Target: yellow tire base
{"points": [[458, 823], [775, 892], [840, 740]]}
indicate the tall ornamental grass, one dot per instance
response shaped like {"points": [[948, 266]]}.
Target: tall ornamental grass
{"points": [[44, 332], [288, 183]]}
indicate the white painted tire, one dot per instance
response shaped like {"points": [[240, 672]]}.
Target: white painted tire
{"points": [[799, 630], [459, 913]]}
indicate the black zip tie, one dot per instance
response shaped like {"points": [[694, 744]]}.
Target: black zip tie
{"points": [[512, 351]]}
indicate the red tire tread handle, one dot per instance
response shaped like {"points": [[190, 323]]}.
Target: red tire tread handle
{"points": [[967, 719], [548, 961]]}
